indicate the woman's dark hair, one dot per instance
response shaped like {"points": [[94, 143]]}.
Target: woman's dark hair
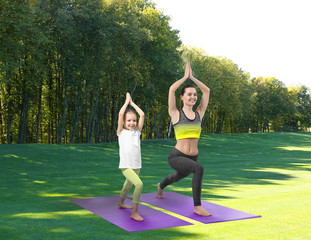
{"points": [[182, 93]]}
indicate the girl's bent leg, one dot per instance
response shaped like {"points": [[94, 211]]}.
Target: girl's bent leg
{"points": [[126, 186], [121, 204], [125, 190], [132, 176]]}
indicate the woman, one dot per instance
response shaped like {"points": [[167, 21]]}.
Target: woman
{"points": [[187, 126]]}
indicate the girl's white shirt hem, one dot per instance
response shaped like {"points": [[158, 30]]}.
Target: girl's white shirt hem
{"points": [[129, 148]]}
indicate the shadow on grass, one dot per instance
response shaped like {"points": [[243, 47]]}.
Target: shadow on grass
{"points": [[39, 180]]}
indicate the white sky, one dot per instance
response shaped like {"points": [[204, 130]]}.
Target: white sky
{"points": [[270, 38]]}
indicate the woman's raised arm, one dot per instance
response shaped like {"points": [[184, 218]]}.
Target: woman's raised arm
{"points": [[205, 97], [172, 109]]}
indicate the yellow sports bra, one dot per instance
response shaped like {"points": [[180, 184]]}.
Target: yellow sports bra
{"points": [[187, 128]]}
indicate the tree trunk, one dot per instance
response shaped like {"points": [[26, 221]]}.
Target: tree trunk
{"points": [[205, 121], [39, 113], [52, 130], [23, 122], [93, 115], [114, 117], [108, 102], [155, 130], [62, 125], [1, 123], [88, 119], [98, 123], [84, 101], [24, 112], [231, 126], [169, 130], [9, 115], [85, 118], [76, 115], [220, 122], [150, 127], [214, 124], [49, 132]]}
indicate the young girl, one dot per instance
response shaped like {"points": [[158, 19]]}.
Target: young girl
{"points": [[187, 126], [129, 150]]}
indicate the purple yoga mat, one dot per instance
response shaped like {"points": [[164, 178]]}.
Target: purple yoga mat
{"points": [[183, 205], [106, 207]]}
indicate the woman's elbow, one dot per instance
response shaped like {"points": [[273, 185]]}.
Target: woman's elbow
{"points": [[172, 89]]}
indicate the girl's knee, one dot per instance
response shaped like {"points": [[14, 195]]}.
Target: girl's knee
{"points": [[127, 185], [139, 185]]}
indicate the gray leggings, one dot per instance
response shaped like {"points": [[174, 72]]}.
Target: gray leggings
{"points": [[184, 165]]}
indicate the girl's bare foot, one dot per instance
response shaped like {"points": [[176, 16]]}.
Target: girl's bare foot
{"points": [[123, 205], [201, 211], [135, 214], [137, 217], [160, 192]]}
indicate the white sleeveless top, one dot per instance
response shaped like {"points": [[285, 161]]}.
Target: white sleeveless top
{"points": [[129, 148]]}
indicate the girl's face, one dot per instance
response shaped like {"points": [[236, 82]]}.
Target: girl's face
{"points": [[190, 96], [130, 121]]}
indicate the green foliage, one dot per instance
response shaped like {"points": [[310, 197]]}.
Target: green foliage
{"points": [[65, 67]]}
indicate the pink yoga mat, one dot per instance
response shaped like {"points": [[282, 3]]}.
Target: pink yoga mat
{"points": [[106, 208], [183, 205]]}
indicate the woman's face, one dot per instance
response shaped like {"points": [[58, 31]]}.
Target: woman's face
{"points": [[130, 121], [190, 96]]}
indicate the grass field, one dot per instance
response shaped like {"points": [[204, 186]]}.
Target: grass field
{"points": [[265, 174]]}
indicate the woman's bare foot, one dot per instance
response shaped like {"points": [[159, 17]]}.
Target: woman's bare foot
{"points": [[201, 211], [160, 192], [137, 217], [123, 205]]}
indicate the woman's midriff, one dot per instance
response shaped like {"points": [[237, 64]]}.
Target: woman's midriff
{"points": [[188, 146]]}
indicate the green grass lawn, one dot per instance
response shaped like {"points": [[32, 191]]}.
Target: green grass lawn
{"points": [[265, 174]]}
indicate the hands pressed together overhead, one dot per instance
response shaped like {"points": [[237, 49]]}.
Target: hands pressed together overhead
{"points": [[188, 71], [128, 99]]}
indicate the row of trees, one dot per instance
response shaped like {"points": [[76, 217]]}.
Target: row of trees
{"points": [[240, 104], [66, 65]]}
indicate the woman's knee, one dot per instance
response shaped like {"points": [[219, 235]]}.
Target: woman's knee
{"points": [[199, 168]]}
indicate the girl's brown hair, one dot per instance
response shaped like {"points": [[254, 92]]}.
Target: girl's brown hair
{"points": [[126, 112], [182, 93]]}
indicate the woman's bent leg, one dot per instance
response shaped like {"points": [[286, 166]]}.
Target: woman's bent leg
{"points": [[185, 165]]}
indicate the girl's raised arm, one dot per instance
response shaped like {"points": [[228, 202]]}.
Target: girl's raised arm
{"points": [[141, 115], [121, 113]]}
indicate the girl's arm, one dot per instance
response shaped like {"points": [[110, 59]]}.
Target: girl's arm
{"points": [[121, 113], [172, 109], [141, 115], [205, 97]]}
